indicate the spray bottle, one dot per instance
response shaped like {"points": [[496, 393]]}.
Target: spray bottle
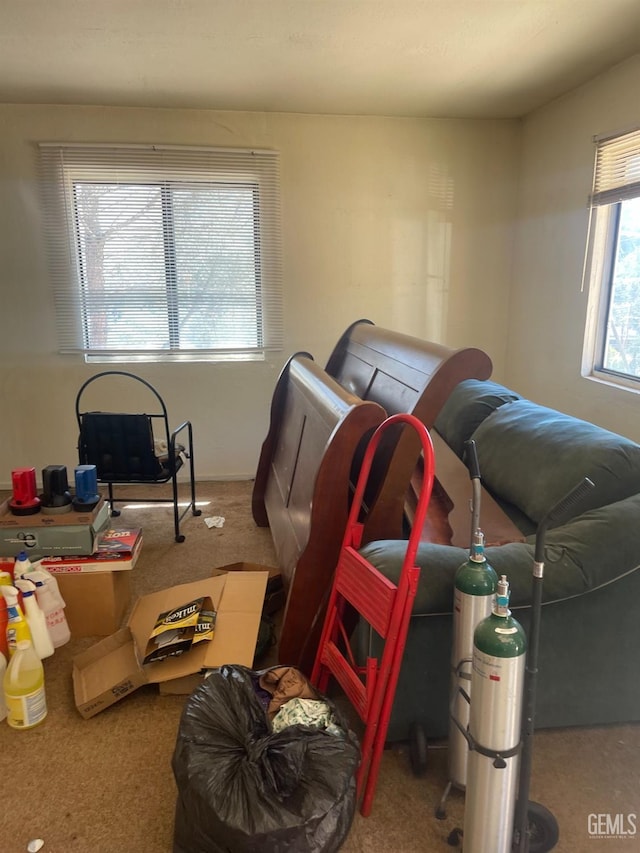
{"points": [[24, 692], [52, 605], [17, 627], [22, 565], [36, 619]]}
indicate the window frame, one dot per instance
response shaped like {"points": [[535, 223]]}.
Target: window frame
{"points": [[256, 169], [605, 208]]}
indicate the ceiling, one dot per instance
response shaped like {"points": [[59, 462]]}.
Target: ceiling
{"points": [[437, 58]]}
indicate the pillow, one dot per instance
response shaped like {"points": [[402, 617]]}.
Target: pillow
{"points": [[470, 402], [532, 456]]}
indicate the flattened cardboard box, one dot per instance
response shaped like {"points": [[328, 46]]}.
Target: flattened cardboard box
{"points": [[188, 683], [111, 669]]}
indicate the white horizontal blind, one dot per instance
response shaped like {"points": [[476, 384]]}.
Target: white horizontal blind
{"points": [[164, 253], [617, 169]]}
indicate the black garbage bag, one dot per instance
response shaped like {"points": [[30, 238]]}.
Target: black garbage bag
{"points": [[243, 788]]}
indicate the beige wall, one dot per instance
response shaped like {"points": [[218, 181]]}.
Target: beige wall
{"points": [[407, 222], [548, 310]]}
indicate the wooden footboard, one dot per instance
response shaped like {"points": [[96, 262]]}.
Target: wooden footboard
{"points": [[302, 486]]}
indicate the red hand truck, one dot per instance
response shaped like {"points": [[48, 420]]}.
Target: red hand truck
{"points": [[358, 586]]}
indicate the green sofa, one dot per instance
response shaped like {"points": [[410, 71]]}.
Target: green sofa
{"points": [[530, 457]]}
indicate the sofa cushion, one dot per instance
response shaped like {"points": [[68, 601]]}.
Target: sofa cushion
{"points": [[532, 456], [603, 544], [468, 405], [595, 549]]}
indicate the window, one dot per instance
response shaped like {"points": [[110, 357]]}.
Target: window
{"points": [[164, 253], [613, 340]]}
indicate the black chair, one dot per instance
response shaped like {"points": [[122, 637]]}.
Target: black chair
{"points": [[129, 448]]}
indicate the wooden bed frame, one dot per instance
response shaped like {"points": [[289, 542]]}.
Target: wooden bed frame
{"points": [[320, 423], [402, 374], [302, 485]]}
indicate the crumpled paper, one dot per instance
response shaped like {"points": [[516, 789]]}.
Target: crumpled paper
{"points": [[214, 521]]}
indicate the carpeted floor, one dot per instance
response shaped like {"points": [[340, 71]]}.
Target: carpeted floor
{"points": [[105, 785]]}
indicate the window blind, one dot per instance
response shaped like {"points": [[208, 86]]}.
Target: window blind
{"points": [[164, 252], [617, 169]]}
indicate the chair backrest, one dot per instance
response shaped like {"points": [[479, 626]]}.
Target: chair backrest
{"points": [[121, 446]]}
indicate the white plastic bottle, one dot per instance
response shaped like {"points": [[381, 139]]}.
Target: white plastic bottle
{"points": [[52, 605], [22, 565], [24, 692], [36, 619]]}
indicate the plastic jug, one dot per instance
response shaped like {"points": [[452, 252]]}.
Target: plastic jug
{"points": [[24, 692]]}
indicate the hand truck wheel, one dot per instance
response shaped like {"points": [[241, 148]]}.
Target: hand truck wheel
{"points": [[418, 749], [543, 828]]}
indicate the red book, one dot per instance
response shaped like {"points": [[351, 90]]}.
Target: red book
{"points": [[116, 550]]}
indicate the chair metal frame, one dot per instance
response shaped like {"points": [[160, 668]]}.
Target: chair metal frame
{"points": [[175, 456]]}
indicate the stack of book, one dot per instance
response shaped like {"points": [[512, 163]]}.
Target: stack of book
{"points": [[116, 550]]}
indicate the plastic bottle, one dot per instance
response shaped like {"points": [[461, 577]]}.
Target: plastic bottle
{"points": [[24, 692], [3, 669], [36, 619], [17, 626], [4, 619], [52, 605], [22, 565], [6, 579]]}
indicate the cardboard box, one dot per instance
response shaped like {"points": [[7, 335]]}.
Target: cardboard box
{"points": [[274, 598], [41, 519], [96, 602], [107, 557], [111, 669], [43, 535]]}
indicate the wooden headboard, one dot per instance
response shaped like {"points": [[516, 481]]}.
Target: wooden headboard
{"points": [[320, 423], [403, 374]]}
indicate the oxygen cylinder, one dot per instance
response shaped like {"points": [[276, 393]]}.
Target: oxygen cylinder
{"points": [[474, 587], [497, 684]]}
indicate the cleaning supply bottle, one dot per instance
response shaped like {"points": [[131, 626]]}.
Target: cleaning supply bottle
{"points": [[24, 692], [17, 626], [52, 605], [6, 579], [3, 669], [22, 565], [36, 619], [4, 619]]}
